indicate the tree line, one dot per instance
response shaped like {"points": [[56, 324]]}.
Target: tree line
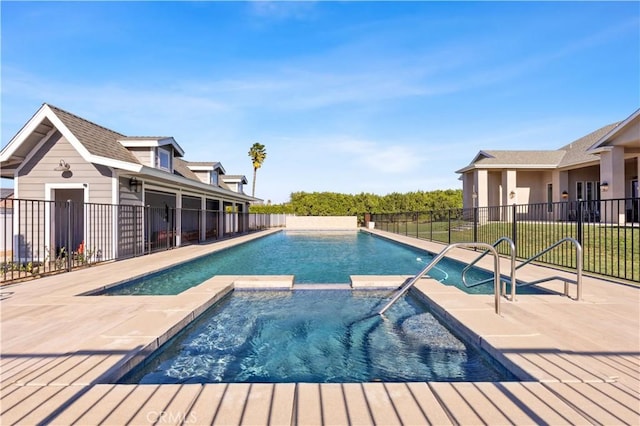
{"points": [[337, 204]]}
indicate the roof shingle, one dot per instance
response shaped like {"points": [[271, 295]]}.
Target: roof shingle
{"points": [[96, 139]]}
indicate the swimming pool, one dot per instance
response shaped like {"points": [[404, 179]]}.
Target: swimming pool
{"points": [[315, 336], [313, 257]]}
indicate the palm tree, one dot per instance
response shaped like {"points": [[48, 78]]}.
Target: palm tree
{"points": [[258, 155]]}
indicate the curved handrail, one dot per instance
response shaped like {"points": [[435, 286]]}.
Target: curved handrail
{"points": [[578, 263], [531, 259], [438, 258], [512, 246]]}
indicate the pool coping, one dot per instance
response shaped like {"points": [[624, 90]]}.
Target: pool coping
{"points": [[68, 384]]}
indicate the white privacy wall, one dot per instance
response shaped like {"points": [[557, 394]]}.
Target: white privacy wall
{"points": [[321, 222]]}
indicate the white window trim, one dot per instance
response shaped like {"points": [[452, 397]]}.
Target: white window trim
{"points": [[48, 196], [158, 159]]}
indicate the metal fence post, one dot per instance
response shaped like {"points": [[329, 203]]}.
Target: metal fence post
{"points": [[431, 226], [148, 214], [475, 224], [579, 222], [449, 227], [514, 224], [69, 235], [135, 229]]}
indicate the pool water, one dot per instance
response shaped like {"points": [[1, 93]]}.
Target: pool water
{"points": [[315, 336], [329, 257]]}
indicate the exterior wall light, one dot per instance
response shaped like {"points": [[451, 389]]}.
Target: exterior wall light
{"points": [[135, 185], [62, 166], [565, 195], [512, 194], [604, 186]]}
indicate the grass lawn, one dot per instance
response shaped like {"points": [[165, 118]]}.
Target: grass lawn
{"points": [[607, 249]]}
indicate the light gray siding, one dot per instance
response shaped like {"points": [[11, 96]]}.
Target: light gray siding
{"points": [[145, 155], [204, 176], [94, 223], [126, 196], [40, 170]]}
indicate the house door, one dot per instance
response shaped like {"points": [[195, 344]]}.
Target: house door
{"points": [[67, 230]]}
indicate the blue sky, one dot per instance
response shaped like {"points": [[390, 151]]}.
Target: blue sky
{"points": [[347, 97]]}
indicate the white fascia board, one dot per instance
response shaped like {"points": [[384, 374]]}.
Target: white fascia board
{"points": [[611, 133], [151, 142], [579, 165], [466, 169], [110, 162], [172, 141], [241, 179], [506, 166], [33, 152], [67, 134], [200, 168], [24, 133], [521, 166], [599, 150], [138, 143], [472, 165]]}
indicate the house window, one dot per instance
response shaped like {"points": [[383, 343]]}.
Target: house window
{"points": [[214, 178], [579, 191], [549, 198], [163, 159]]}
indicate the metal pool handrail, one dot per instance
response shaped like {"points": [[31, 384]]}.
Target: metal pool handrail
{"points": [[438, 258], [512, 246], [578, 280]]}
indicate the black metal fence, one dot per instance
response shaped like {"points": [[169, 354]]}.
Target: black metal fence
{"points": [[43, 237], [608, 230]]}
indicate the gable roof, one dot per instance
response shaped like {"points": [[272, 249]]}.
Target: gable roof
{"points": [[96, 144], [206, 166], [572, 154], [152, 141], [235, 178], [606, 139], [100, 145], [98, 140], [540, 158], [181, 167], [577, 151]]}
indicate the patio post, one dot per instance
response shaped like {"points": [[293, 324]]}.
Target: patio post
{"points": [[69, 235]]}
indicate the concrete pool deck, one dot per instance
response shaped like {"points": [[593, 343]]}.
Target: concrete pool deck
{"points": [[60, 350]]}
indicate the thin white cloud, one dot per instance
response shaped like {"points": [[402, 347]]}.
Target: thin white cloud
{"points": [[383, 158], [281, 10]]}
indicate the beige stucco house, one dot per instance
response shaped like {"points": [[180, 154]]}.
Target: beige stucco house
{"points": [[603, 165], [58, 156]]}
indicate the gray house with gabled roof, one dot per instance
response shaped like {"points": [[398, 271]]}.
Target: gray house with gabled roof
{"points": [[602, 165], [58, 156]]}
